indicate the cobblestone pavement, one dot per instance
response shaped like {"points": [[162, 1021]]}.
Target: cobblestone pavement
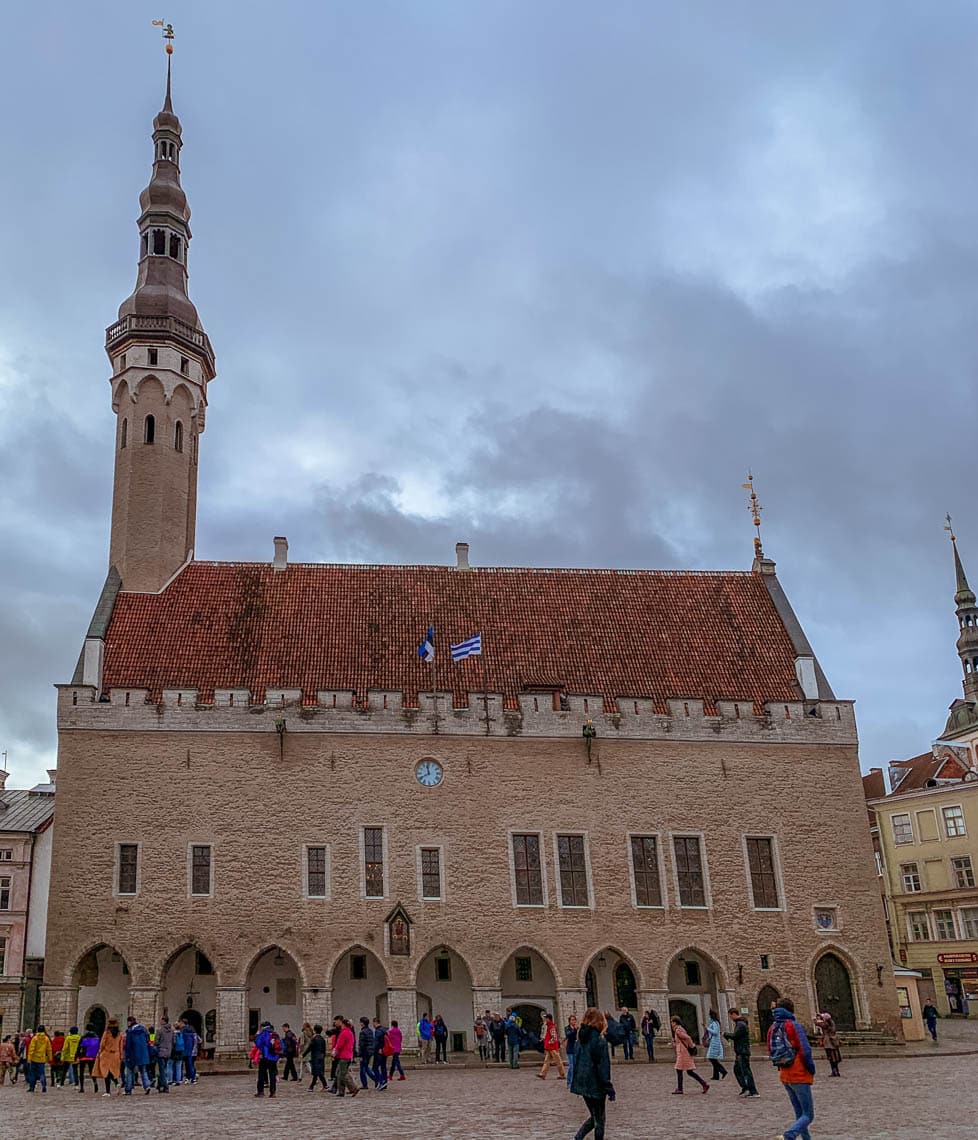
{"points": [[912, 1098]]}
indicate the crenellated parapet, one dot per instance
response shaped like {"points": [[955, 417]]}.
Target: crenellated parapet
{"points": [[335, 711]]}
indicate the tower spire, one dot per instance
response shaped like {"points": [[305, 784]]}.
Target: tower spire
{"points": [[755, 509], [966, 610]]}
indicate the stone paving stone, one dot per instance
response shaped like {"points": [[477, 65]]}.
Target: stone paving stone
{"points": [[912, 1098]]}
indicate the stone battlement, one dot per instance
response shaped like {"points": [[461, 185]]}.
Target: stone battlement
{"points": [[539, 715]]}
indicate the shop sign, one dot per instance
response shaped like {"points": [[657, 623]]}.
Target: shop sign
{"points": [[959, 958]]}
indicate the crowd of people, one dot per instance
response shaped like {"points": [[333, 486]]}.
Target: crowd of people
{"points": [[153, 1058]]}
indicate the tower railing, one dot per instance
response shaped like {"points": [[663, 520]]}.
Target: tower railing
{"points": [[134, 324]]}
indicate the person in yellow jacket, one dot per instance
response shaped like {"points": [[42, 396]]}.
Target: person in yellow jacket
{"points": [[39, 1056], [69, 1055]]}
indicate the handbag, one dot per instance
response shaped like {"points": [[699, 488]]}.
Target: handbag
{"points": [[705, 1042]]}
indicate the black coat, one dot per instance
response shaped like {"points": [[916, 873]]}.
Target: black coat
{"points": [[740, 1038], [592, 1064], [316, 1049]]}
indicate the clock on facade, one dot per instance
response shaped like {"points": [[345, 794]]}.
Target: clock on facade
{"points": [[429, 773]]}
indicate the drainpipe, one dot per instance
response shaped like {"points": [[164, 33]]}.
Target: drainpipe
{"points": [[27, 919]]}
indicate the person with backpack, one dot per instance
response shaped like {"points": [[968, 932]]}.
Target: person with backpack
{"points": [[592, 1073], [741, 1047], [482, 1038], [514, 1027], [314, 1055], [439, 1031], [685, 1051], [392, 1047], [929, 1014], [551, 1048], [269, 1046], [425, 1034], [290, 1045], [791, 1055], [713, 1040], [627, 1022], [650, 1027]]}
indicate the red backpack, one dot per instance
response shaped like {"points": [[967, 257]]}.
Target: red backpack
{"points": [[275, 1045]]}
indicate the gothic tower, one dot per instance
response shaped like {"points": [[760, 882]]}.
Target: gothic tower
{"points": [[161, 364], [967, 614]]}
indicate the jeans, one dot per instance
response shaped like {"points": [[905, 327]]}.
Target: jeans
{"points": [[128, 1076], [596, 1106], [267, 1074], [441, 1049], [176, 1070], [801, 1101], [628, 1047], [396, 1066], [650, 1045], [162, 1065], [380, 1068], [570, 1068], [932, 1027], [742, 1071], [514, 1054], [499, 1049], [36, 1072], [366, 1072], [191, 1068]]}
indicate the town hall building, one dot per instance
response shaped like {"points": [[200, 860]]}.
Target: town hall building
{"points": [[643, 791]]}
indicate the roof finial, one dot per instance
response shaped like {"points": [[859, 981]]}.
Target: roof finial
{"points": [[755, 509], [963, 593], [168, 48], [950, 529]]}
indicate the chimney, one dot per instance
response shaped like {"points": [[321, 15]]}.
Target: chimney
{"points": [[3, 778], [52, 775], [281, 553], [462, 556]]}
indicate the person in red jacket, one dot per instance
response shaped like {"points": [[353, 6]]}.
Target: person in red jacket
{"points": [[791, 1054], [551, 1048], [343, 1053]]}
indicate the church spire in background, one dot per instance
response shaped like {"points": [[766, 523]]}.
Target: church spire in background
{"points": [[967, 614]]}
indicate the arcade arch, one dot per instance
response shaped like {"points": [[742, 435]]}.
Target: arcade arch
{"points": [[360, 985], [274, 985]]}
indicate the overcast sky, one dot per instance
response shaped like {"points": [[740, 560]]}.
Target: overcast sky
{"points": [[544, 276]]}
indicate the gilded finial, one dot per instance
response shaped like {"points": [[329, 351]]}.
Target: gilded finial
{"points": [[755, 509], [949, 528], [167, 35]]}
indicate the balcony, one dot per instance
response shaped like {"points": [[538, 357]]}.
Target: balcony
{"points": [[151, 328]]}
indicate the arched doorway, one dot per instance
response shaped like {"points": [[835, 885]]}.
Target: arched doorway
{"points": [[96, 1017], [189, 987], [609, 982], [765, 1018], [360, 986], [526, 979], [693, 980], [444, 986], [833, 988], [532, 1018], [688, 1014], [102, 977], [274, 990]]}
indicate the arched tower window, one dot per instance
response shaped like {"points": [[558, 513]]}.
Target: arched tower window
{"points": [[145, 245], [178, 437], [125, 433], [149, 430], [174, 246], [159, 241]]}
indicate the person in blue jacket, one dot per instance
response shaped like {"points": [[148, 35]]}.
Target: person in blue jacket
{"points": [[269, 1046], [190, 1044], [136, 1056], [514, 1034]]}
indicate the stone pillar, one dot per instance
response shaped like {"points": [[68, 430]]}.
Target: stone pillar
{"points": [[143, 1003], [402, 1007], [232, 1021], [59, 1006], [483, 999], [657, 1000], [727, 999], [569, 1002], [317, 1007]]}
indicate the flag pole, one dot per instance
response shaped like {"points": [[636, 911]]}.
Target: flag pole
{"points": [[485, 688], [434, 685]]}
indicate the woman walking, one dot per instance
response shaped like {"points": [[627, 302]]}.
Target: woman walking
{"points": [[714, 1046], [395, 1042], [440, 1033], [650, 1027], [592, 1073], [108, 1063], [825, 1027], [684, 1057]]}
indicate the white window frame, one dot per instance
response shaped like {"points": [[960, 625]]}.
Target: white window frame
{"points": [[9, 880], [558, 890], [954, 873], [362, 847], [440, 848], [707, 891], [908, 816], [663, 893], [512, 868], [6, 854], [328, 894], [190, 868], [952, 807], [936, 925], [963, 923], [779, 882], [927, 923], [117, 863], [916, 874]]}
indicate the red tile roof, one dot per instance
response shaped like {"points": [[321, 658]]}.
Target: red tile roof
{"points": [[920, 769], [659, 634]]}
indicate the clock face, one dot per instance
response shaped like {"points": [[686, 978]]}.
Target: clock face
{"points": [[429, 773]]}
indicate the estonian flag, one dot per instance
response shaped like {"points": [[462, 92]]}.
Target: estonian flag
{"points": [[426, 650], [469, 648]]}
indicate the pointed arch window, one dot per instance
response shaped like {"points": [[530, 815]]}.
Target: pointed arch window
{"points": [[178, 437], [149, 430], [159, 241], [145, 245], [174, 247], [125, 434]]}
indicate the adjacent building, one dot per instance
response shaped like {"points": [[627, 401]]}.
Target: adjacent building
{"points": [[926, 833], [643, 791], [26, 819]]}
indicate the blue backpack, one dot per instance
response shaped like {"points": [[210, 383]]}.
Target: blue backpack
{"points": [[780, 1049]]}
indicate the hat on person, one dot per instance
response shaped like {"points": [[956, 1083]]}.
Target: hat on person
{"points": [[266, 1025]]}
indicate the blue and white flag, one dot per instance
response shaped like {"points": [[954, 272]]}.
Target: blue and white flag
{"points": [[467, 648], [426, 650]]}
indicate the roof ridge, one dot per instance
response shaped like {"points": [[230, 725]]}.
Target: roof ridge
{"points": [[570, 570]]}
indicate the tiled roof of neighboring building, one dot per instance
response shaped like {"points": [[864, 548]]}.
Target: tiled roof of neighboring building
{"points": [[608, 633], [920, 769], [24, 811], [874, 785]]}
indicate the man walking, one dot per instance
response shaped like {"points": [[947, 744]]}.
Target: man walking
{"points": [[290, 1043], [164, 1051], [791, 1054], [513, 1031], [741, 1047], [929, 1013], [425, 1033], [627, 1022], [343, 1055], [136, 1056], [269, 1046], [315, 1054], [39, 1054], [380, 1057], [498, 1031], [551, 1049]]}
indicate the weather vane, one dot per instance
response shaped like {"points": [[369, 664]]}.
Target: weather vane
{"points": [[755, 509], [949, 528], [167, 34]]}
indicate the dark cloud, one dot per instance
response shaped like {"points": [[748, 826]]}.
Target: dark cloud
{"points": [[543, 277]]}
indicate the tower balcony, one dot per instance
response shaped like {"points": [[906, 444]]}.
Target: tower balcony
{"points": [[148, 328]]}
